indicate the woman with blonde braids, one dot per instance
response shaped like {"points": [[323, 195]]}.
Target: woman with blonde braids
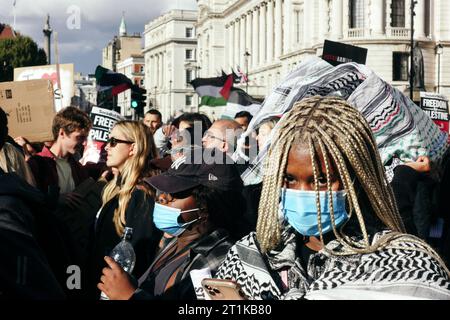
{"points": [[328, 225], [127, 200]]}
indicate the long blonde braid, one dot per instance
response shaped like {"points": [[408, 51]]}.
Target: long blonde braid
{"points": [[343, 137]]}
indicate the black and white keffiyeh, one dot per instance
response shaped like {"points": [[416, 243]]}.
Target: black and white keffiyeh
{"points": [[399, 272]]}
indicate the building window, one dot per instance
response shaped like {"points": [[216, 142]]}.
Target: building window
{"points": [[188, 76], [400, 66], [398, 13], [188, 100], [356, 17], [189, 32], [142, 69], [142, 82], [189, 54]]}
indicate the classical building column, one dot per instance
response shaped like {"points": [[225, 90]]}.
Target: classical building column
{"points": [[278, 28], [242, 46], [407, 15], [439, 18], [419, 19], [308, 23], [376, 17], [248, 28], [151, 77], [163, 70], [287, 26], [270, 31], [387, 17], [323, 20], [255, 43], [345, 18], [157, 70], [236, 43], [262, 30], [231, 44]]}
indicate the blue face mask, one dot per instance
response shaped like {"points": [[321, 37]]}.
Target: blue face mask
{"points": [[300, 210], [166, 219]]}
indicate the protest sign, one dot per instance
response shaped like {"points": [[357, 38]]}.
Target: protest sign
{"points": [[103, 120], [63, 98], [436, 107], [30, 108], [336, 53]]}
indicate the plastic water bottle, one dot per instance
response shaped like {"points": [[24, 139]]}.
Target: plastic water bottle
{"points": [[123, 254]]}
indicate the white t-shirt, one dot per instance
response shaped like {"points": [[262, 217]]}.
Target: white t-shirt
{"points": [[65, 179]]}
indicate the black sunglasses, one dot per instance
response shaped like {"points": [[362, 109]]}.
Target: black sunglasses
{"points": [[114, 141]]}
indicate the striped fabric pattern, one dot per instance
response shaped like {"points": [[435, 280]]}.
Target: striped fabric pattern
{"points": [[394, 272], [399, 126]]}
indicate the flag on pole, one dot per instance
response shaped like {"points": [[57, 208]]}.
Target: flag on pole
{"points": [[109, 80], [242, 75], [239, 101], [213, 92], [219, 91]]}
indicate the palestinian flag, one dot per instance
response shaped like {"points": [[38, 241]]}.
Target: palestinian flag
{"points": [[213, 92], [111, 82], [238, 101]]}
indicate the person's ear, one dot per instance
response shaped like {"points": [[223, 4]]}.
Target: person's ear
{"points": [[61, 133], [133, 149]]}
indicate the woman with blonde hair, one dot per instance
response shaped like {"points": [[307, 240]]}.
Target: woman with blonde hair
{"points": [[328, 225], [127, 201]]}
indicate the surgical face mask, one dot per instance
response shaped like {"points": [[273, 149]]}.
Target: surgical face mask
{"points": [[166, 219], [300, 210]]}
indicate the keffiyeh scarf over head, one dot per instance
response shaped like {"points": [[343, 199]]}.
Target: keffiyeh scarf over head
{"points": [[400, 127]]}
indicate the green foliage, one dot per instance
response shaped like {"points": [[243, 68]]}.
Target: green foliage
{"points": [[19, 52]]}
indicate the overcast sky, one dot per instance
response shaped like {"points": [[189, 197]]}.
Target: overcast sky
{"points": [[82, 37]]}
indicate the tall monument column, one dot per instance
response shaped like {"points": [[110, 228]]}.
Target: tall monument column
{"points": [[47, 34]]}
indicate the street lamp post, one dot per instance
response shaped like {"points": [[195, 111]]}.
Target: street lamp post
{"points": [[197, 71], [439, 50], [246, 55]]}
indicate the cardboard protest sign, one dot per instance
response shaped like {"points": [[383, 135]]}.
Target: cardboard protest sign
{"points": [[103, 120], [63, 98], [336, 53], [30, 108], [436, 106]]}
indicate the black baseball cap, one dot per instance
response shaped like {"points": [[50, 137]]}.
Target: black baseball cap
{"points": [[184, 175]]}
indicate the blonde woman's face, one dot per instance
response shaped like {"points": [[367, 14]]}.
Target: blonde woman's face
{"points": [[119, 149]]}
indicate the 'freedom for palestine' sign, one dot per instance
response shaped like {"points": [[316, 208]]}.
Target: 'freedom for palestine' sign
{"points": [[436, 107]]}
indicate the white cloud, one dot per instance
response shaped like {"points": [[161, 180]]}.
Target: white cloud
{"points": [[100, 20]]}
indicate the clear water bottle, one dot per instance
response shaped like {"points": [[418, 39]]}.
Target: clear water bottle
{"points": [[123, 254]]}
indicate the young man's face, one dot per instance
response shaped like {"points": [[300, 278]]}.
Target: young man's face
{"points": [[70, 142], [152, 121]]}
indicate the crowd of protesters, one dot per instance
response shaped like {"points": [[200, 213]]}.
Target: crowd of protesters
{"points": [[323, 223]]}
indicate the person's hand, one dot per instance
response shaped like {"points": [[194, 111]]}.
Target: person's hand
{"points": [[168, 130], [422, 164], [21, 141], [71, 200], [115, 282]]}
